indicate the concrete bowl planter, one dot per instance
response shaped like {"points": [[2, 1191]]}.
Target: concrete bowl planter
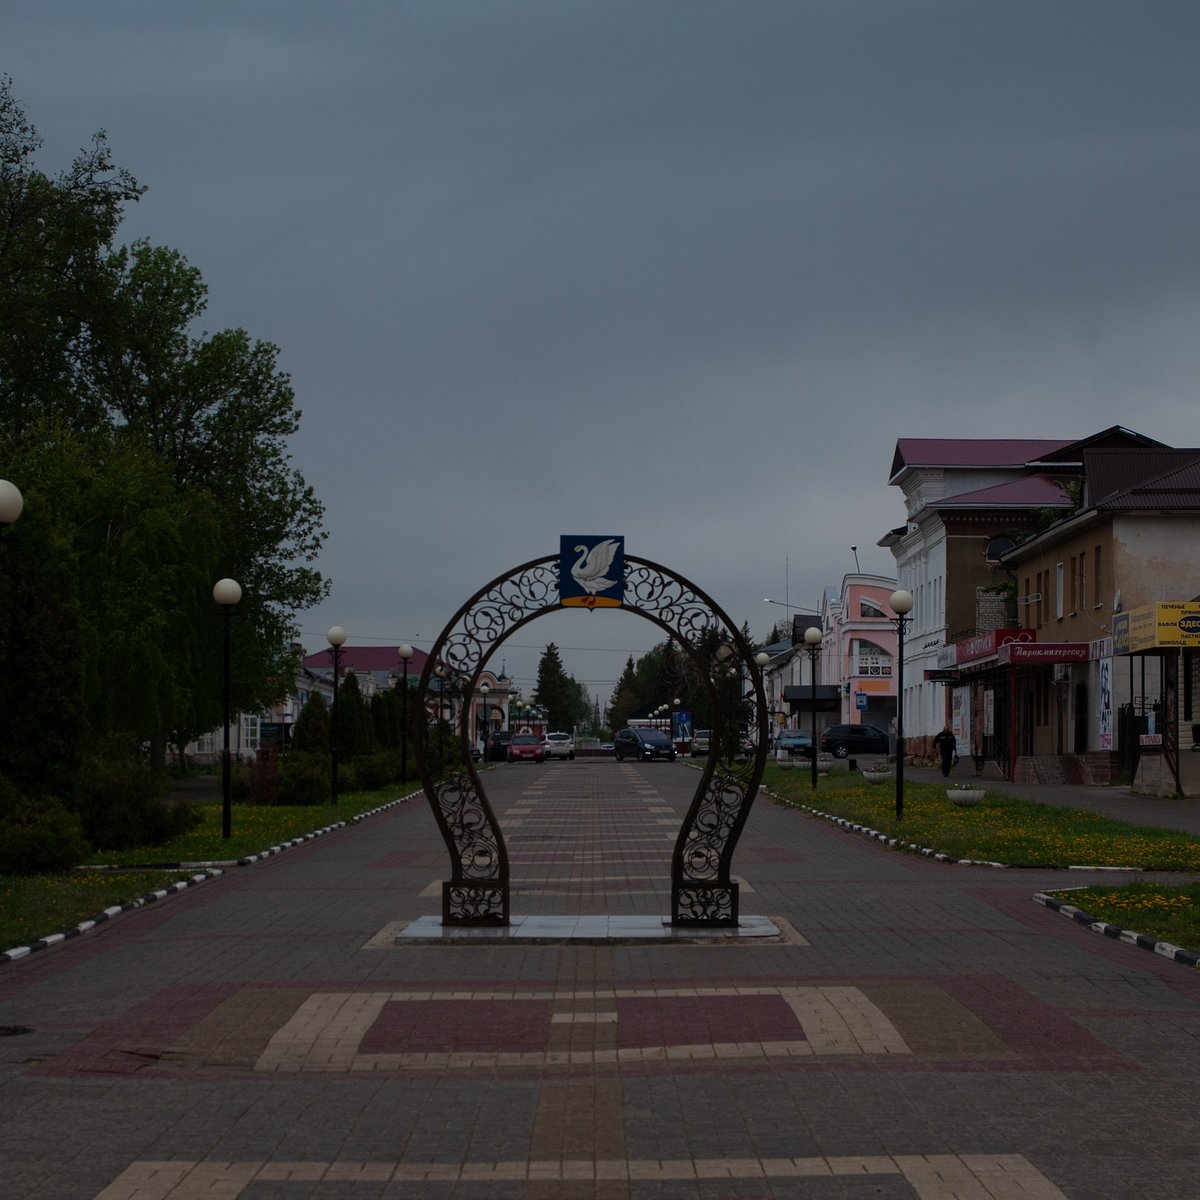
{"points": [[784, 762], [877, 776], [964, 796], [824, 764]]}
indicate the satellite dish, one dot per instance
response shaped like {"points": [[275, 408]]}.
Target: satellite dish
{"points": [[1116, 604], [997, 548]]}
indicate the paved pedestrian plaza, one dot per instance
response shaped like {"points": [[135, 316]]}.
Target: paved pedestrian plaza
{"points": [[883, 1026]]}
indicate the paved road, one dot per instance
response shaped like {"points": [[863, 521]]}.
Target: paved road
{"points": [[919, 1030]]}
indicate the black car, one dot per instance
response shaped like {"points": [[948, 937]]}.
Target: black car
{"points": [[643, 744], [497, 745], [844, 741]]}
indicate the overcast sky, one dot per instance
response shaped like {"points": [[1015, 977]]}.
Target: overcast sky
{"points": [[672, 269]]}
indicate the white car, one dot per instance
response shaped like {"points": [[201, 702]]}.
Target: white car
{"points": [[559, 745]]}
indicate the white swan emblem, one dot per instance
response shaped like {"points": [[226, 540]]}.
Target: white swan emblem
{"points": [[589, 570]]}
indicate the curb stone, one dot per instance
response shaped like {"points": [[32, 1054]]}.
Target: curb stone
{"points": [[207, 870], [1133, 938]]}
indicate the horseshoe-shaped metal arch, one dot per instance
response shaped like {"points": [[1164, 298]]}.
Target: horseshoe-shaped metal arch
{"points": [[702, 891]]}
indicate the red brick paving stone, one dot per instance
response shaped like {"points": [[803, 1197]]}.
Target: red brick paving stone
{"points": [[1045, 1035], [427, 1026], [140, 1037], [701, 1020]]}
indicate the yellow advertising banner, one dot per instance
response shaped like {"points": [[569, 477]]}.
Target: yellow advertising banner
{"points": [[1173, 624]]}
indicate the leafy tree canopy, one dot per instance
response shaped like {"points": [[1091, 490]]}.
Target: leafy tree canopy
{"points": [[154, 461]]}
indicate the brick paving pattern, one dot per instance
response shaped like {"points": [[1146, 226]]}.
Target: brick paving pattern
{"points": [[914, 1030]]}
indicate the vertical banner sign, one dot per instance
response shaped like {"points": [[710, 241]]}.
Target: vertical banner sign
{"points": [[591, 571], [1106, 704]]}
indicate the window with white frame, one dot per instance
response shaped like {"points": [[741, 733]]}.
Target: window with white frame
{"points": [[249, 739], [866, 658]]}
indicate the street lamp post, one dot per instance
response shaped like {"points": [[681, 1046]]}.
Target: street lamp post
{"points": [[901, 602], [227, 593], [405, 652], [812, 643], [336, 637]]}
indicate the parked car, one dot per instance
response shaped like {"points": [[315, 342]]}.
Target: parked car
{"points": [[525, 746], [559, 745], [701, 740], [643, 744], [844, 741], [497, 745], [794, 742]]}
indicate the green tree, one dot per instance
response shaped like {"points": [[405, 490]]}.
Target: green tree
{"points": [[558, 692], [156, 460], [351, 721], [310, 733], [386, 709], [55, 239], [624, 700]]}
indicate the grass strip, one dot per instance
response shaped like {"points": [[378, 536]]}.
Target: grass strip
{"points": [[37, 906], [1163, 912], [1000, 829]]}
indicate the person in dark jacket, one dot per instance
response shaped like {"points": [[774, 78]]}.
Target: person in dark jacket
{"points": [[946, 745]]}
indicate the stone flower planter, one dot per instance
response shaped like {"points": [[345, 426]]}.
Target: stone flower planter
{"points": [[784, 762], [964, 797], [877, 776]]}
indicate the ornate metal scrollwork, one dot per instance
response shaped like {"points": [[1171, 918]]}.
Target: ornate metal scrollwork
{"points": [[701, 889]]}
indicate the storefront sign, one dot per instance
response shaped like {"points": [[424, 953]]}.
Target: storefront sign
{"points": [[1047, 652], [987, 644], [1168, 625]]}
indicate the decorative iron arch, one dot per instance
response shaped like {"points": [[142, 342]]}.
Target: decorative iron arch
{"points": [[702, 892]]}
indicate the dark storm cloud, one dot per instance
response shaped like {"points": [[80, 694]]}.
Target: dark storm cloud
{"points": [[679, 270]]}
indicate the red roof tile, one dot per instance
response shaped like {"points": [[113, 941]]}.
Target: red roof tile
{"points": [[971, 453]]}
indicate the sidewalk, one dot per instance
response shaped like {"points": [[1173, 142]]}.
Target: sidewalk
{"points": [[1119, 803], [915, 1031]]}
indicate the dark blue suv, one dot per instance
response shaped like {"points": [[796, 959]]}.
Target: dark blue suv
{"points": [[643, 744]]}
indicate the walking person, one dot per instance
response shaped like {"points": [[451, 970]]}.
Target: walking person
{"points": [[946, 744], [978, 742]]}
